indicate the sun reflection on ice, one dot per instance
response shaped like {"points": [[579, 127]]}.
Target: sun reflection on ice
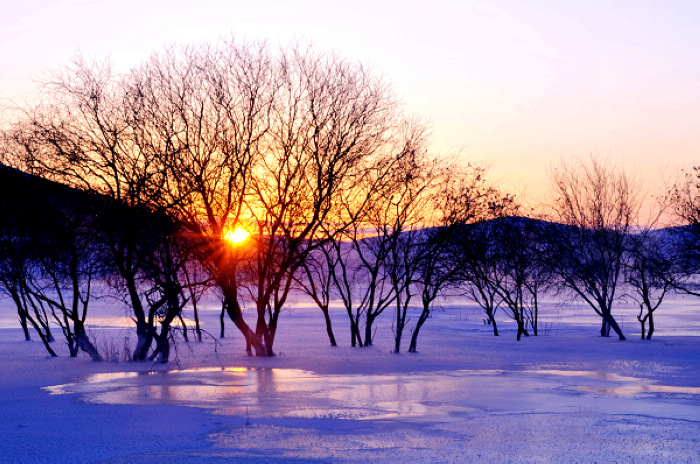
{"points": [[441, 396]]}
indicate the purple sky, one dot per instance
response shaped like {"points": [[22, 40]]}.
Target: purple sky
{"points": [[518, 84]]}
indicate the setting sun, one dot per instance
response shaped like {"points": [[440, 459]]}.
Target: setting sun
{"points": [[237, 235]]}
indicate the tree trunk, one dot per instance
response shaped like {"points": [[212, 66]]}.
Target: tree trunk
{"points": [[651, 325], [368, 330], [611, 323], [492, 319], [163, 339], [72, 347], [272, 329], [144, 340], [269, 338], [221, 320], [263, 333], [69, 335], [197, 327], [354, 333], [521, 330], [397, 338], [184, 328], [82, 341], [329, 326], [400, 324], [144, 335], [355, 337], [25, 328], [252, 340], [421, 320], [42, 326], [162, 350], [22, 313], [44, 339]]}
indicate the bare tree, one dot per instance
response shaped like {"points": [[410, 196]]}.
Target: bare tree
{"points": [[316, 281], [345, 273], [480, 273], [408, 208], [684, 199], [477, 245], [83, 135], [165, 275], [359, 265], [17, 273], [522, 274], [266, 141], [67, 268], [384, 245], [331, 123], [651, 271], [463, 198], [11, 269], [370, 281], [197, 283], [596, 205], [47, 257], [14, 247], [224, 136]]}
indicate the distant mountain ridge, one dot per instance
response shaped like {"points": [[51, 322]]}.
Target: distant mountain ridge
{"points": [[19, 189]]}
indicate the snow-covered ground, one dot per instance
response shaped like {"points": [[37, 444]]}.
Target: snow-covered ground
{"points": [[567, 395]]}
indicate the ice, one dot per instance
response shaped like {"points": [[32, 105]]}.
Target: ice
{"points": [[566, 395], [419, 396]]}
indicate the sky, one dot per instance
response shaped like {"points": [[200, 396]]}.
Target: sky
{"points": [[519, 85]]}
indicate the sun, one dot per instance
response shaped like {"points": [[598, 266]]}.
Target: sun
{"points": [[237, 235]]}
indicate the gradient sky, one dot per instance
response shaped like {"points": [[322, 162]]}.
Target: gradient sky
{"points": [[520, 85]]}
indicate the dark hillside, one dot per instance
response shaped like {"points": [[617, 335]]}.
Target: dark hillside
{"points": [[29, 202], [26, 199]]}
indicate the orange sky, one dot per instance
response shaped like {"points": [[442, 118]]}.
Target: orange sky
{"points": [[520, 85]]}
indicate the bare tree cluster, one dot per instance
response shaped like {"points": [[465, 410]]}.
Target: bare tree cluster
{"points": [[291, 145], [311, 155], [48, 259], [607, 252]]}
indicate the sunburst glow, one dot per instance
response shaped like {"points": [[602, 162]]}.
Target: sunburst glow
{"points": [[237, 235]]}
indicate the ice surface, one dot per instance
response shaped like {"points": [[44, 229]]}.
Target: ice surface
{"points": [[418, 396], [565, 396]]}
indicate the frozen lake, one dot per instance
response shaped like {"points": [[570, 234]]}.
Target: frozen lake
{"points": [[300, 414], [420, 396], [566, 395]]}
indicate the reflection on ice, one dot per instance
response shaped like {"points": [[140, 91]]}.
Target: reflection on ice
{"points": [[632, 390], [590, 374], [441, 396], [627, 386]]}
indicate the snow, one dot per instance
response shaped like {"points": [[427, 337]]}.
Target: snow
{"points": [[567, 395]]}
